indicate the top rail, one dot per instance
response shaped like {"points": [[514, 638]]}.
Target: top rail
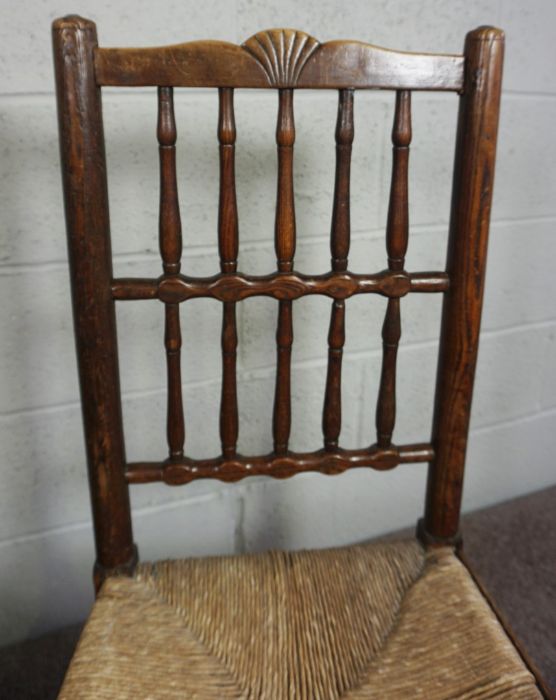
{"points": [[278, 58]]}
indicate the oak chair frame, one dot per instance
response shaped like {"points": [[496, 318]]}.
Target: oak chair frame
{"points": [[285, 60]]}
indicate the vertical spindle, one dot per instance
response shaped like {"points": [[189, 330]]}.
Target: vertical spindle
{"points": [[170, 251], [228, 241], [339, 248], [285, 249], [285, 206], [175, 424], [397, 230]]}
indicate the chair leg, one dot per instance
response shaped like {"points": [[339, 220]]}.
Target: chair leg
{"points": [[101, 573]]}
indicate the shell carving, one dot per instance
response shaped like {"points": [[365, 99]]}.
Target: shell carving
{"points": [[282, 54]]}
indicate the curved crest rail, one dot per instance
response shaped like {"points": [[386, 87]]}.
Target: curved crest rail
{"points": [[278, 58]]}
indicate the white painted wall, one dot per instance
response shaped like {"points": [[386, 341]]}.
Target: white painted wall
{"points": [[46, 549]]}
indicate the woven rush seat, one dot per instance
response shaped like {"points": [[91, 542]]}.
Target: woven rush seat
{"points": [[371, 621]]}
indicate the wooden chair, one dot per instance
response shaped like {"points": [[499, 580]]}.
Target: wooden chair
{"points": [[396, 620]]}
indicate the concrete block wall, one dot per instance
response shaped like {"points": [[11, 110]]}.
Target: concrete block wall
{"points": [[46, 547]]}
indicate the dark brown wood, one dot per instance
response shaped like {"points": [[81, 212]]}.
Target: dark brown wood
{"points": [[284, 238], [358, 65], [282, 286], [544, 689], [170, 251], [169, 214], [339, 249], [283, 59], [279, 58], [228, 244], [229, 419], [397, 228], [87, 221], [427, 282], [386, 402], [275, 465], [228, 238], [285, 205], [340, 230], [281, 421], [397, 233], [467, 247], [175, 422], [332, 411]]}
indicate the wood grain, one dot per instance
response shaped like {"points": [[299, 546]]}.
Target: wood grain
{"points": [[229, 417], [284, 239], [281, 420], [170, 251], [332, 411], [175, 422], [340, 229], [282, 54], [466, 261], [339, 249], [283, 286], [397, 234], [88, 231], [169, 211], [278, 58], [285, 206], [277, 466], [283, 59], [228, 234], [228, 246]]}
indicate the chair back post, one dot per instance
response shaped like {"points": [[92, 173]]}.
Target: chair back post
{"points": [[467, 248], [87, 221]]}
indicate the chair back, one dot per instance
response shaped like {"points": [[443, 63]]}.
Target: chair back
{"points": [[285, 60]]}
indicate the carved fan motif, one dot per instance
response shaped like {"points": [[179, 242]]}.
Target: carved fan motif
{"points": [[282, 54]]}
